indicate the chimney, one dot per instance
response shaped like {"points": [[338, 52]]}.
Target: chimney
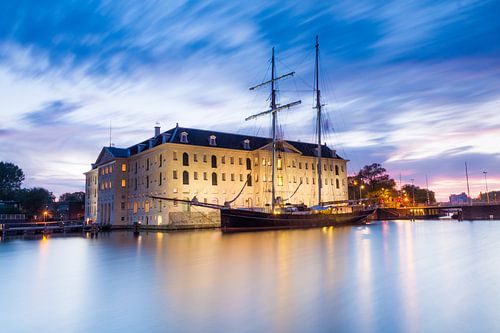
{"points": [[157, 130]]}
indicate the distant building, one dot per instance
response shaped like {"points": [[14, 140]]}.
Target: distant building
{"points": [[457, 199], [212, 166]]}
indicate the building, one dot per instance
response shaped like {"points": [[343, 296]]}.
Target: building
{"points": [[458, 199], [184, 163]]}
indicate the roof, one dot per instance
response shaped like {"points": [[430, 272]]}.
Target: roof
{"points": [[199, 137]]}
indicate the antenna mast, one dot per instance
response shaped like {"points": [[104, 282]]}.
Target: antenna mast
{"points": [[318, 120], [274, 109], [468, 189]]}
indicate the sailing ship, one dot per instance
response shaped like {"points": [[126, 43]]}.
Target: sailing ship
{"points": [[280, 217]]}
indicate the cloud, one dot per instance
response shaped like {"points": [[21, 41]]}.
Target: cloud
{"points": [[407, 84]]}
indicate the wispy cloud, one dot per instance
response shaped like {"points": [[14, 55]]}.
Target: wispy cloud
{"points": [[413, 85]]}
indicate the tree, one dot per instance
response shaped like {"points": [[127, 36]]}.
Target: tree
{"points": [[375, 177], [11, 178], [34, 200], [420, 194], [74, 197]]}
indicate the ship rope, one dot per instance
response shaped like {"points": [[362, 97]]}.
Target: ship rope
{"points": [[227, 203], [293, 192]]}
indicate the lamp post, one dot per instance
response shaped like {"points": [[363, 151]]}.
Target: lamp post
{"points": [[361, 186], [486, 185], [413, 191]]}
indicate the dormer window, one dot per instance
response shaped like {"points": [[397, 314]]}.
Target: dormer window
{"points": [[246, 144], [184, 137], [212, 141]]}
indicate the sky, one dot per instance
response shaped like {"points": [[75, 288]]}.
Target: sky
{"points": [[413, 85]]}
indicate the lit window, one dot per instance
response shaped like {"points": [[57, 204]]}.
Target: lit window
{"points": [[124, 183], [280, 163], [124, 167], [280, 180], [263, 161], [146, 206]]}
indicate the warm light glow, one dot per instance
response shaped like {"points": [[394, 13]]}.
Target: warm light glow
{"points": [[124, 167], [45, 213], [124, 183]]}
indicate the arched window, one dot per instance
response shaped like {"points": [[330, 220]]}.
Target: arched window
{"points": [[214, 161], [185, 159], [185, 178], [214, 178], [249, 164], [249, 180], [337, 170]]}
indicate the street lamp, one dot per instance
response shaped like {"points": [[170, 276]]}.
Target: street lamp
{"points": [[45, 213], [413, 191], [360, 188], [486, 185]]}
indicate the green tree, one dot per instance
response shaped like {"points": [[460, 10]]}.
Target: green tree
{"points": [[375, 178], [34, 200], [420, 194], [11, 178], [74, 197]]}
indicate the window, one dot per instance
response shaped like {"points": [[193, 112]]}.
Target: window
{"points": [[147, 164], [211, 140], [223, 177], [249, 180], [124, 167], [185, 159], [280, 180], [135, 168], [293, 163], [195, 157], [231, 160], [174, 174], [185, 178], [159, 181], [240, 161], [300, 165], [249, 164], [184, 137], [337, 170], [147, 181], [214, 161], [342, 168], [246, 144], [232, 177], [161, 161], [174, 155], [205, 176], [195, 175], [214, 178], [204, 158], [135, 207], [324, 167], [122, 205], [146, 207], [263, 161], [280, 163], [241, 177], [307, 166], [337, 185], [124, 183]]}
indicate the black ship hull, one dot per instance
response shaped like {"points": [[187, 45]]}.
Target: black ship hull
{"points": [[235, 220]]}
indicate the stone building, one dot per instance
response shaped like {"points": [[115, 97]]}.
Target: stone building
{"points": [[212, 166]]}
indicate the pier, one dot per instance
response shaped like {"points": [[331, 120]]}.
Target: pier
{"points": [[44, 228]]}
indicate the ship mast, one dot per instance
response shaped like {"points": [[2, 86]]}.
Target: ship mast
{"points": [[274, 110], [318, 119]]}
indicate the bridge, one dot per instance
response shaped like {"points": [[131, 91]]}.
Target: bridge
{"points": [[481, 211], [23, 227]]}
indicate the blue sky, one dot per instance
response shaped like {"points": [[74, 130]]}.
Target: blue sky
{"points": [[414, 85]]}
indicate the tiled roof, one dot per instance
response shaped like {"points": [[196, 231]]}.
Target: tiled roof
{"points": [[198, 137]]}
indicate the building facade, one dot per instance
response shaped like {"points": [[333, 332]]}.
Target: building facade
{"points": [[214, 167]]}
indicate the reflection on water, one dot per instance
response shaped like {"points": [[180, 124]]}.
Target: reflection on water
{"points": [[386, 277]]}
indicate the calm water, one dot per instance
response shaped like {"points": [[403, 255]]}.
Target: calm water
{"points": [[388, 277]]}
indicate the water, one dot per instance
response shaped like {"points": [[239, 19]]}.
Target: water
{"points": [[433, 276]]}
